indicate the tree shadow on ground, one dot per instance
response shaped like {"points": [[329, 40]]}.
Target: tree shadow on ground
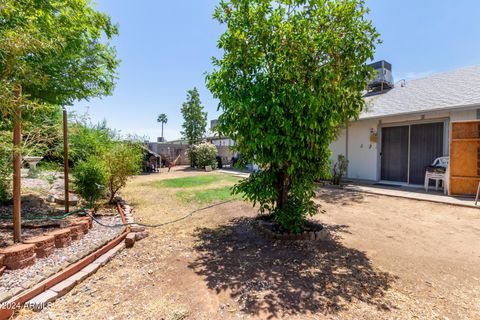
{"points": [[339, 196], [274, 279]]}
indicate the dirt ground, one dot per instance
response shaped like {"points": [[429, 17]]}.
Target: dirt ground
{"points": [[389, 258]]}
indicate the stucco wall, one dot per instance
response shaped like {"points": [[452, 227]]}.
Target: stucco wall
{"points": [[171, 151], [339, 146], [362, 153]]}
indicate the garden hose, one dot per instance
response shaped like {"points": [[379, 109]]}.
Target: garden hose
{"points": [[85, 212], [159, 224], [30, 217]]}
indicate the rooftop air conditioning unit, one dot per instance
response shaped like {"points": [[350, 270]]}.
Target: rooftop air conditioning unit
{"points": [[383, 79]]}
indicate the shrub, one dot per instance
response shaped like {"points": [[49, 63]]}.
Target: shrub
{"points": [[5, 176], [87, 140], [203, 154], [90, 179], [124, 160], [6, 168], [339, 169]]}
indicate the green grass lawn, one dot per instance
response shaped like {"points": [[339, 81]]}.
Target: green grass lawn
{"points": [[195, 181], [208, 195], [213, 187]]}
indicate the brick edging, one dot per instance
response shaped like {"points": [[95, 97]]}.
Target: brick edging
{"points": [[8, 307], [320, 235]]}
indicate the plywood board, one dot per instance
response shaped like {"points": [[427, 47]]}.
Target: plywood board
{"points": [[465, 130], [464, 157], [463, 187]]}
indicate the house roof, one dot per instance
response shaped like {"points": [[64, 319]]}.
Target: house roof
{"points": [[454, 89]]}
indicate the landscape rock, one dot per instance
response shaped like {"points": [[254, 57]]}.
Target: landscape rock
{"points": [[141, 235], [321, 235], [130, 240], [137, 228]]}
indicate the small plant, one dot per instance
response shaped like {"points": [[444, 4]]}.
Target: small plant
{"points": [[339, 170], [50, 178], [90, 179], [49, 166], [203, 154]]}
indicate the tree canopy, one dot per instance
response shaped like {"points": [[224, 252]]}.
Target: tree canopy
{"points": [[292, 72], [195, 119], [55, 50], [162, 118]]}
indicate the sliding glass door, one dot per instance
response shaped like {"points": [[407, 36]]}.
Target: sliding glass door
{"points": [[407, 150]]}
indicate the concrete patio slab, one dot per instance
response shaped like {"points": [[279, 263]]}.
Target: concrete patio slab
{"points": [[413, 193]]}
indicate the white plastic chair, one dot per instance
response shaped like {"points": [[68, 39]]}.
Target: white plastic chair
{"points": [[438, 176]]}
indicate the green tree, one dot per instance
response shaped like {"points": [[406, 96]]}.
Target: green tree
{"points": [[87, 140], [162, 118], [122, 161], [195, 120], [292, 72], [54, 51]]}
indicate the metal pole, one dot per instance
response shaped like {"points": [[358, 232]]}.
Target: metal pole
{"points": [[17, 167], [65, 158]]}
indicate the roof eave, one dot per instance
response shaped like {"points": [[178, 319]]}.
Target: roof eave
{"points": [[456, 108]]}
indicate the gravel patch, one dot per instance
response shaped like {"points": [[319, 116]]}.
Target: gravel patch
{"points": [[35, 183], [14, 281]]}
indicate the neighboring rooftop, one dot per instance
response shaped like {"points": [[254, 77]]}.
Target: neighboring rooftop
{"points": [[453, 89]]}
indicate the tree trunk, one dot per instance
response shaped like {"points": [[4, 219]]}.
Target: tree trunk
{"points": [[17, 167], [282, 188], [162, 132]]}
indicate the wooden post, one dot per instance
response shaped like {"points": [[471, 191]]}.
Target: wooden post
{"points": [[65, 159], [17, 167]]}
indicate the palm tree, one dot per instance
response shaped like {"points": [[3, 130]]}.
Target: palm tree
{"points": [[162, 118]]}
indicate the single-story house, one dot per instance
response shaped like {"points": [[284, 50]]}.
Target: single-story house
{"points": [[406, 126]]}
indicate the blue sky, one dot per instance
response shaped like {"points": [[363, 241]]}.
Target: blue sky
{"points": [[166, 46]]}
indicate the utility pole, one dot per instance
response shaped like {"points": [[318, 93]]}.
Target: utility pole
{"points": [[65, 159], [17, 167]]}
